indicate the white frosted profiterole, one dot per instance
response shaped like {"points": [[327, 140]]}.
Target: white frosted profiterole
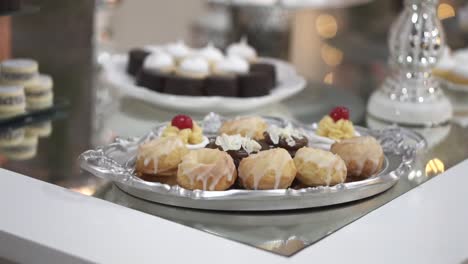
{"points": [[243, 50], [231, 65], [179, 50], [195, 67], [211, 53], [159, 61]]}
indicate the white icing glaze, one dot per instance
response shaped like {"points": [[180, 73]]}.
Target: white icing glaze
{"points": [[242, 49], [232, 64], [194, 66], [211, 53], [178, 49], [152, 150], [323, 160], [364, 149], [197, 167], [288, 133], [236, 142], [461, 62], [159, 61], [257, 165]]}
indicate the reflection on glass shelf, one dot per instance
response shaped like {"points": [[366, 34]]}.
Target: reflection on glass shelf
{"points": [[20, 143]]}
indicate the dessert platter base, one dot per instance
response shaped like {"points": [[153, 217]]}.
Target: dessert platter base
{"points": [[289, 83], [116, 161]]}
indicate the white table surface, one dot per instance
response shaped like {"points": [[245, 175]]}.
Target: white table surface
{"points": [[43, 223]]}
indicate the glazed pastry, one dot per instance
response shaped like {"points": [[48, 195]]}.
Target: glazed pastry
{"points": [[251, 127], [211, 54], [39, 94], [12, 100], [136, 57], [243, 50], [237, 146], [160, 156], [187, 130], [206, 169], [11, 137], [18, 71], [316, 167], [288, 138], [156, 69], [336, 125], [363, 156], [269, 169], [179, 51]]}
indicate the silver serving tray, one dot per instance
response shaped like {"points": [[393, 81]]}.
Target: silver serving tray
{"points": [[115, 162]]}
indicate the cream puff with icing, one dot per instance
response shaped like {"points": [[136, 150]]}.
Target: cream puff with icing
{"points": [[206, 169], [249, 126], [268, 169], [316, 167], [160, 157], [363, 156]]}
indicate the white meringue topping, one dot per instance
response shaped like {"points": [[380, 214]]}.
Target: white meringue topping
{"points": [[194, 66], [243, 50], [159, 61], [232, 64], [178, 49], [211, 53]]}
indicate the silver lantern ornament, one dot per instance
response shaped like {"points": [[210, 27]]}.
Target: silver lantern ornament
{"points": [[410, 94]]}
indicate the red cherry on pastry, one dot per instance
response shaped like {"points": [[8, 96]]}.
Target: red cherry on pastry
{"points": [[339, 112], [182, 122]]}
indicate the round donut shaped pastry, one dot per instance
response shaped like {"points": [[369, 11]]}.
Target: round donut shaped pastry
{"points": [[316, 167], [268, 169], [206, 169], [251, 126], [160, 156], [363, 156]]}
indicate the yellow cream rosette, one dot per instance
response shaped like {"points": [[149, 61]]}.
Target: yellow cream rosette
{"points": [[338, 130]]}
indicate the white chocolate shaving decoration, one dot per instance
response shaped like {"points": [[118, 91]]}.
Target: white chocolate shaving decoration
{"points": [[236, 142], [288, 133]]}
